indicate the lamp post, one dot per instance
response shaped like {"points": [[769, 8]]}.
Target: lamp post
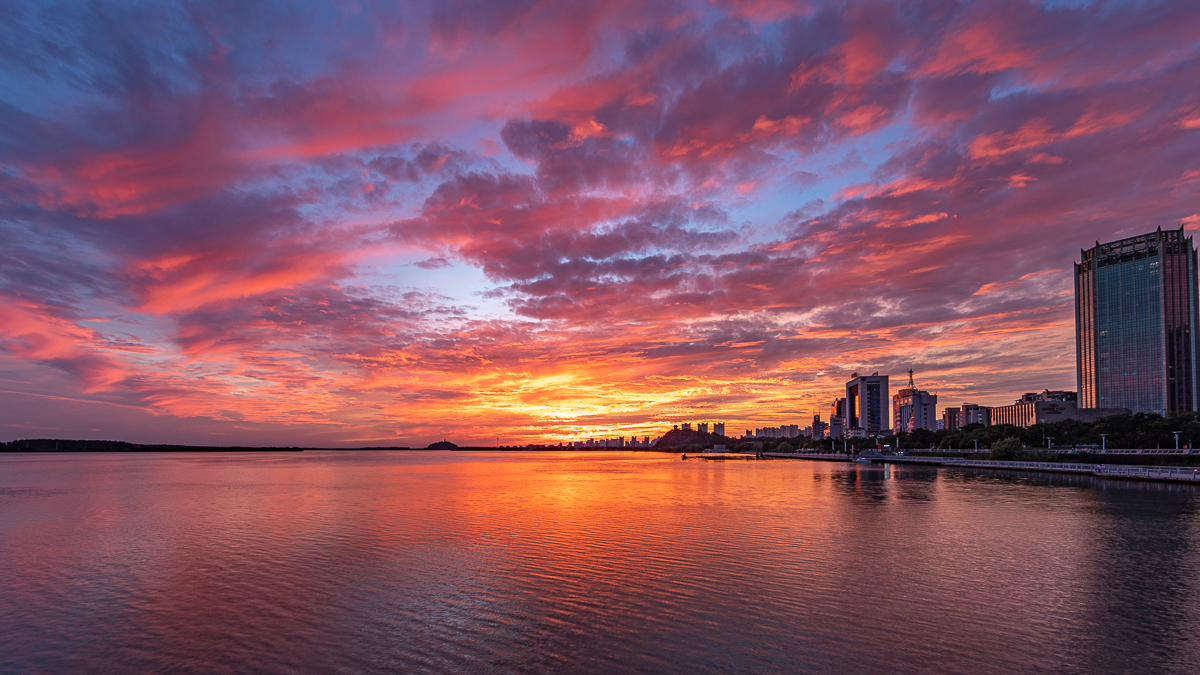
{"points": [[1176, 439], [1103, 442], [1048, 441]]}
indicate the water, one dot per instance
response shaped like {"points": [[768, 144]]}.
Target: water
{"points": [[587, 562]]}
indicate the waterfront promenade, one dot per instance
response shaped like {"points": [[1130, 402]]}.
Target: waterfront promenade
{"points": [[1152, 473]]}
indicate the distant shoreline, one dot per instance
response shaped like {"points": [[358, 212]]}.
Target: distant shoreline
{"points": [[77, 447]]}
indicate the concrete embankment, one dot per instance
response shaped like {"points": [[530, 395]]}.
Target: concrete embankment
{"points": [[1154, 473]]}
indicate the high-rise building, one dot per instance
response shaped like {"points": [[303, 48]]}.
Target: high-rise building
{"points": [[837, 418], [913, 409], [838, 408], [837, 427], [1135, 324], [702, 427], [867, 403], [719, 428], [951, 419], [818, 428]]}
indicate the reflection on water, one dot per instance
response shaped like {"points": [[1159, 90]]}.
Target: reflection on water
{"points": [[456, 562]]}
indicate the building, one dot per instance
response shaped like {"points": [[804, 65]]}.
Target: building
{"points": [[837, 418], [1047, 395], [1135, 324], [951, 419], [781, 431], [837, 427], [838, 408], [971, 413], [913, 409], [818, 428], [867, 403], [719, 428], [702, 427], [687, 426], [1048, 406]]}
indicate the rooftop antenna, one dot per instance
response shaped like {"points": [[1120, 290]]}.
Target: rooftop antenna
{"points": [[910, 380]]}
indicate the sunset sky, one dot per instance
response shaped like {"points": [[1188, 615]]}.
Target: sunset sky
{"points": [[374, 224]]}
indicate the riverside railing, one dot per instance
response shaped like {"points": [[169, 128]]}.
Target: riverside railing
{"points": [[1151, 472], [1128, 451], [1185, 474], [1164, 473]]}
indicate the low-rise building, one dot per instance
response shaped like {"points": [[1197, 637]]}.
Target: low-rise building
{"points": [[976, 414], [1049, 406]]}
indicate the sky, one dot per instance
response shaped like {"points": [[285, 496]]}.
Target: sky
{"points": [[385, 224]]}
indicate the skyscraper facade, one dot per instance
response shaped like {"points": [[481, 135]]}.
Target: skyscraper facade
{"points": [[867, 403], [1135, 324]]}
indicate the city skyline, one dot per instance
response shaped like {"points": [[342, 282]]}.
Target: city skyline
{"points": [[349, 226]]}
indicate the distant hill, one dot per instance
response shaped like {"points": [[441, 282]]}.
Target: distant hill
{"points": [[442, 445], [690, 439]]}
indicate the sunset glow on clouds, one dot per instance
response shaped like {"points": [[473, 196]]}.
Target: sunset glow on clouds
{"points": [[362, 224]]}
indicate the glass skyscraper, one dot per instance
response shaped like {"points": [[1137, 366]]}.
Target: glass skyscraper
{"points": [[1135, 324]]}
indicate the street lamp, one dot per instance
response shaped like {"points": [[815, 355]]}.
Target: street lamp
{"points": [[1103, 442], [1048, 440], [1176, 438]]}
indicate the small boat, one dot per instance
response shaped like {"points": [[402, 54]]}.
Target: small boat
{"points": [[862, 460]]}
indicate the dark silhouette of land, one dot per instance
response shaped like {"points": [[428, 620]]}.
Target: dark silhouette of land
{"points": [[76, 445], [678, 440]]}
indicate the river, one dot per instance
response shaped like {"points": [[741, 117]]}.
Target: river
{"points": [[464, 562]]}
